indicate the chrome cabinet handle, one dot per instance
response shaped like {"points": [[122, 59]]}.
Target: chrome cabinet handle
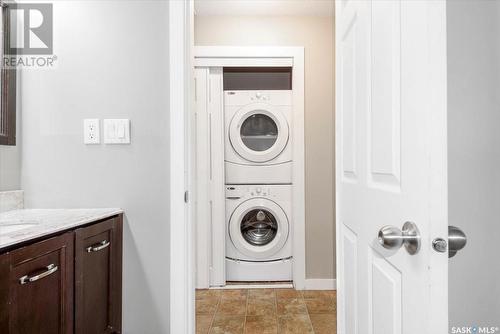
{"points": [[99, 246], [51, 268], [393, 238]]}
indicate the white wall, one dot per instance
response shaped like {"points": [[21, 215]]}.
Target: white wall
{"points": [[112, 63], [474, 159], [315, 33], [10, 167], [10, 156]]}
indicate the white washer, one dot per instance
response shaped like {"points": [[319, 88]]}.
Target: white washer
{"points": [[258, 233], [258, 136]]}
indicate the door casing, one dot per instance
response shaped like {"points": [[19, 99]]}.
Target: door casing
{"points": [[235, 56], [180, 90]]}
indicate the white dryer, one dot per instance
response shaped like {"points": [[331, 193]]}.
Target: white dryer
{"points": [[258, 233], [258, 137]]}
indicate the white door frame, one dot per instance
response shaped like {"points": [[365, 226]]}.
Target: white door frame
{"points": [[223, 56], [180, 44]]}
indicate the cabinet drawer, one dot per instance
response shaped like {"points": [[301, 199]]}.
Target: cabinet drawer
{"points": [[98, 262], [41, 287]]}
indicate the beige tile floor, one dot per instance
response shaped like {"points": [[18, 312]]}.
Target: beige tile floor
{"points": [[266, 311]]}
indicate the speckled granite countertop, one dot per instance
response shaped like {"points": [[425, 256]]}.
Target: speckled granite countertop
{"points": [[18, 226]]}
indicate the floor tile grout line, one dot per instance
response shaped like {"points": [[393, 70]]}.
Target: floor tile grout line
{"points": [[276, 311], [246, 312], [215, 313], [276, 305], [308, 315], [276, 319]]}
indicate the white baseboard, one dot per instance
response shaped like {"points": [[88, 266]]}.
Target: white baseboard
{"points": [[310, 284], [320, 284], [254, 286]]}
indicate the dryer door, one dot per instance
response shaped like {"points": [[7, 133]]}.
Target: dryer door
{"points": [[258, 132], [259, 228]]}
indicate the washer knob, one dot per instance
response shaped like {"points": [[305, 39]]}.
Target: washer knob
{"points": [[258, 95], [258, 190]]}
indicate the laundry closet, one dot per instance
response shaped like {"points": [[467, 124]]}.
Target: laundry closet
{"points": [[245, 161], [263, 145]]}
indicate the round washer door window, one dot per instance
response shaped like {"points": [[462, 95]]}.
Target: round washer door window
{"points": [[258, 132], [258, 228]]}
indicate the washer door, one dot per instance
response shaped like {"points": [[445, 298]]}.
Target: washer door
{"points": [[258, 228], [258, 133]]}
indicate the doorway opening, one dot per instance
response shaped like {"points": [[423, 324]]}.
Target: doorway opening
{"points": [[420, 181], [264, 95]]}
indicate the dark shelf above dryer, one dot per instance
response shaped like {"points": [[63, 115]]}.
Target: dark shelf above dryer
{"points": [[257, 78]]}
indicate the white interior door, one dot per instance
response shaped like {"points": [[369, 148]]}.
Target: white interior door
{"points": [[391, 165]]}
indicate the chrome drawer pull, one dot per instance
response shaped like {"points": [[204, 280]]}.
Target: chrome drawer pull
{"points": [[51, 268], [97, 247]]}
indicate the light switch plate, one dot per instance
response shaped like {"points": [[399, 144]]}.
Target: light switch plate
{"points": [[116, 131], [91, 131]]}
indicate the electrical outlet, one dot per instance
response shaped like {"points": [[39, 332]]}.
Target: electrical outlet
{"points": [[91, 131]]}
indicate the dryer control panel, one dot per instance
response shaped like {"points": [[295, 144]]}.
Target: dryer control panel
{"points": [[244, 97], [248, 191], [239, 191]]}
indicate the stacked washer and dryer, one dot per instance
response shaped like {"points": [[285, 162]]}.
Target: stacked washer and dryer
{"points": [[258, 172]]}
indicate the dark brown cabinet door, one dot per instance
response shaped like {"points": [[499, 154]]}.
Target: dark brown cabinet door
{"points": [[98, 263], [41, 287]]}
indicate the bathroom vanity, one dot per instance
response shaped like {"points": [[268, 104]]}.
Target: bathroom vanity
{"points": [[61, 271]]}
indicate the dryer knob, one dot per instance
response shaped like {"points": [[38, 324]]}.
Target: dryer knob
{"points": [[258, 190], [258, 95]]}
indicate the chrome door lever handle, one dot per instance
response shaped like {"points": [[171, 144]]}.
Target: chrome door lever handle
{"points": [[391, 237]]}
